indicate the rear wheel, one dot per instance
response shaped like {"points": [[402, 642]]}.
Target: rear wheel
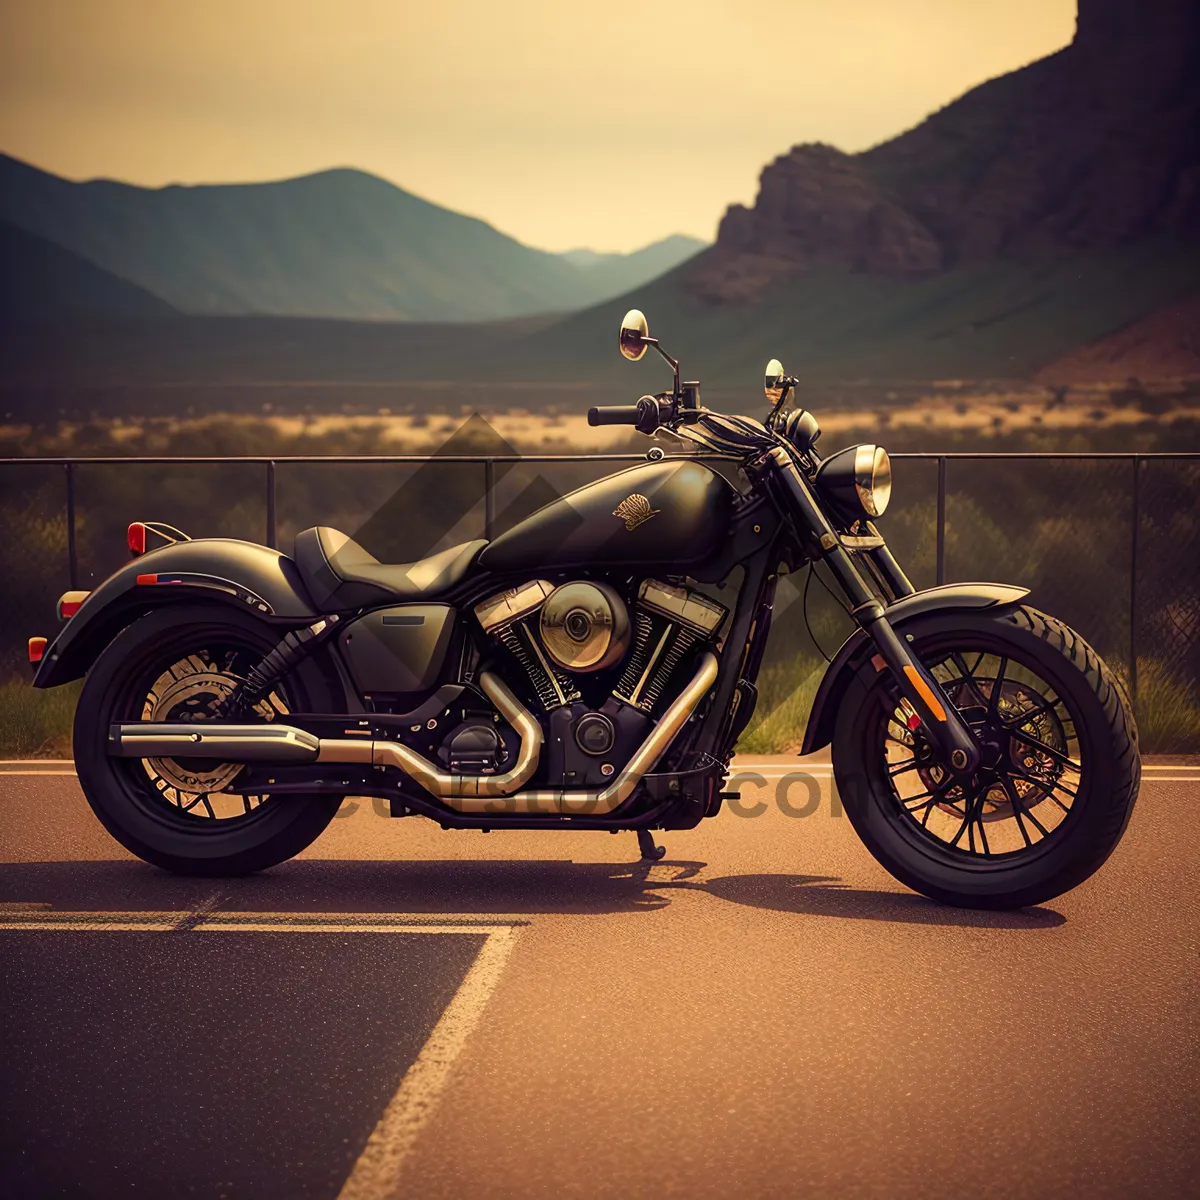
{"points": [[1056, 786], [178, 664]]}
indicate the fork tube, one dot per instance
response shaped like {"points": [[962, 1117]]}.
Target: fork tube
{"points": [[948, 731], [889, 568]]}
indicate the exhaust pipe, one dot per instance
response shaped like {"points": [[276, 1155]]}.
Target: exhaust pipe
{"points": [[229, 743], [557, 801], [486, 794]]}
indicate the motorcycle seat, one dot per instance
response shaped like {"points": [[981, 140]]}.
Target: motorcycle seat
{"points": [[341, 575]]}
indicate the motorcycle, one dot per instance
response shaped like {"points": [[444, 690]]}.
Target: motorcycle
{"points": [[593, 668]]}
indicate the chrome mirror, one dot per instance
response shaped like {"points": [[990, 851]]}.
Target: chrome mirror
{"points": [[773, 381], [634, 332]]}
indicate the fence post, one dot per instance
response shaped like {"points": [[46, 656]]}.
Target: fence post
{"points": [[72, 557], [271, 539], [489, 501], [941, 520], [1133, 579]]}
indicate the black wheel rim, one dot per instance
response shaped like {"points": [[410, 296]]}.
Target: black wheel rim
{"points": [[1025, 791]]}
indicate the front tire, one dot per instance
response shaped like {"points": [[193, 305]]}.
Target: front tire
{"points": [[178, 815], [1058, 784]]}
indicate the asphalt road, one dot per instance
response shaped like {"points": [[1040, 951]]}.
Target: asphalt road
{"points": [[406, 1010]]}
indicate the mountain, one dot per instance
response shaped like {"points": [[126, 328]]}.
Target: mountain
{"points": [[1036, 224], [1092, 148], [41, 280], [340, 243], [611, 274], [1041, 212]]}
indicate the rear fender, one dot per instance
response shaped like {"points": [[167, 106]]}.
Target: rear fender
{"points": [[243, 575], [993, 598]]}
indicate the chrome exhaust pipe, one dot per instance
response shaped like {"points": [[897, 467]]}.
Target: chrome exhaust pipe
{"points": [[480, 794], [285, 744], [557, 801], [381, 753], [230, 743]]}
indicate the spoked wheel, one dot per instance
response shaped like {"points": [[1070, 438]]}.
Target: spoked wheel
{"points": [[179, 665], [1057, 781]]}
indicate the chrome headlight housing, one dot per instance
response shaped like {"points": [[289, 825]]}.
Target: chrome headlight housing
{"points": [[858, 480]]}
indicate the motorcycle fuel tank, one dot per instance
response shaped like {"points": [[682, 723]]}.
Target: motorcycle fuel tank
{"points": [[663, 513]]}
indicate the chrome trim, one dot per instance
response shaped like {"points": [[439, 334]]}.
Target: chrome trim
{"points": [[480, 794], [503, 607], [275, 743], [381, 753], [872, 478], [591, 803], [683, 604]]}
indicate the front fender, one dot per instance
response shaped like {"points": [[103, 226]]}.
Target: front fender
{"points": [[243, 574], [949, 597]]}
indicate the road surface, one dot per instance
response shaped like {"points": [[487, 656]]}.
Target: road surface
{"points": [[410, 1011]]}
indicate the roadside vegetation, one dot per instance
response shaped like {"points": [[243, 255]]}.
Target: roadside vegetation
{"points": [[1060, 527]]}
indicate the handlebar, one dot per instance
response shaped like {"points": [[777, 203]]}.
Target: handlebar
{"points": [[613, 414], [645, 415]]}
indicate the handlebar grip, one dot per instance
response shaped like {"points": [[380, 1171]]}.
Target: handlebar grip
{"points": [[613, 414]]}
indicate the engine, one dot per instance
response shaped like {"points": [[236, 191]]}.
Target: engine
{"points": [[599, 667]]}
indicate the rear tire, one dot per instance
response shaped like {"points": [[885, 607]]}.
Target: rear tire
{"points": [[131, 796], [1084, 719]]}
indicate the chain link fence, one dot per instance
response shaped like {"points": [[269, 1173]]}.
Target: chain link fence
{"points": [[1109, 543]]}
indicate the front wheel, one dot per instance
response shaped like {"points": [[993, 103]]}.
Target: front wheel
{"points": [[1057, 784], [179, 664]]}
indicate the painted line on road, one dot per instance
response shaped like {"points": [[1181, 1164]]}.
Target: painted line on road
{"points": [[377, 1171]]}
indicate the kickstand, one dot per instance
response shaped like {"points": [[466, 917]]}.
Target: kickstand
{"points": [[650, 852]]}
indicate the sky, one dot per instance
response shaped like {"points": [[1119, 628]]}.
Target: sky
{"points": [[564, 123]]}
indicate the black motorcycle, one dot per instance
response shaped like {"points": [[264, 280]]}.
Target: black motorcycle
{"points": [[592, 668]]}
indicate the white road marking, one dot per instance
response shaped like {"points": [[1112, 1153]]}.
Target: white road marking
{"points": [[377, 1171], [6, 772]]}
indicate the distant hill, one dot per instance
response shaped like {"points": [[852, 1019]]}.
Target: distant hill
{"points": [[1036, 224], [612, 274], [40, 280], [339, 243]]}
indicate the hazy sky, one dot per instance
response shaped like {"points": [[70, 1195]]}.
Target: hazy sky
{"points": [[562, 122]]}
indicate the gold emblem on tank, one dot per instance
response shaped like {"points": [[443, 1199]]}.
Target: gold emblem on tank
{"points": [[635, 510]]}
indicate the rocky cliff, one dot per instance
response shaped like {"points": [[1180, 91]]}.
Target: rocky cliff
{"points": [[1094, 147]]}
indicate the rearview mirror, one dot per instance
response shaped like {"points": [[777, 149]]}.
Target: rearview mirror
{"points": [[634, 332], [773, 381]]}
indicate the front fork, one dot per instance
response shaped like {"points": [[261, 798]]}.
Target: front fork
{"points": [[949, 733]]}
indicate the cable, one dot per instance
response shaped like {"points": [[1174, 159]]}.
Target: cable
{"points": [[804, 607]]}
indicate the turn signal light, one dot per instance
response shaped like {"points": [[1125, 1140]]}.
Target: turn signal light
{"points": [[37, 647], [136, 536], [69, 604]]}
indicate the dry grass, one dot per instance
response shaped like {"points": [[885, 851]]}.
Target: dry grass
{"points": [[36, 723]]}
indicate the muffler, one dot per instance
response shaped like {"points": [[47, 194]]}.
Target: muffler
{"points": [[229, 743], [484, 794]]}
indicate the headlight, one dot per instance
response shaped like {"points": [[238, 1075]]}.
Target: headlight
{"points": [[858, 479]]}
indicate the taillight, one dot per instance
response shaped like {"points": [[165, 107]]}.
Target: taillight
{"points": [[37, 647], [136, 536], [69, 604]]}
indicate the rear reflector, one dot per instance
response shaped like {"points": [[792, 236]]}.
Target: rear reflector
{"points": [[37, 647], [69, 604], [136, 537], [144, 579]]}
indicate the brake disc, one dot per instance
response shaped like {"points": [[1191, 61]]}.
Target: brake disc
{"points": [[190, 690]]}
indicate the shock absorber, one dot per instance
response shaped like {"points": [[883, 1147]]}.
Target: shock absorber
{"points": [[295, 645]]}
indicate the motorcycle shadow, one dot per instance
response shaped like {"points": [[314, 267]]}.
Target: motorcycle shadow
{"points": [[479, 887], [827, 896]]}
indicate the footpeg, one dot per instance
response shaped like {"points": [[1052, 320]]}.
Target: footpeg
{"points": [[650, 852]]}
